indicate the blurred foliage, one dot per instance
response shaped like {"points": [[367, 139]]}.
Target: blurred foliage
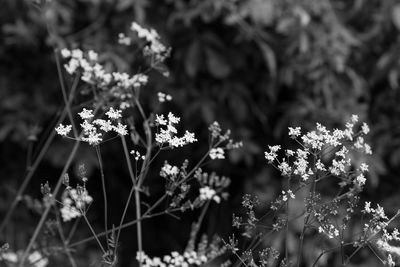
{"points": [[256, 66]]}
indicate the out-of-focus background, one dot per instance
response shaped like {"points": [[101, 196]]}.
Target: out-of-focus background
{"points": [[256, 66]]}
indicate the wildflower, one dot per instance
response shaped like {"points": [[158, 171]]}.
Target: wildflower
{"points": [[37, 259], [120, 129], [367, 207], [215, 129], [363, 167], [320, 166], [367, 149], [284, 168], [207, 193], [271, 156], [294, 132], [168, 135], [217, 153], [360, 180], [63, 130], [114, 114], [65, 53], [365, 128], [86, 114], [169, 170]]}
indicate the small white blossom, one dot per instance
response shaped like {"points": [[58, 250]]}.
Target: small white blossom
{"points": [[217, 153], [294, 132], [360, 180], [63, 130], [86, 114], [363, 167], [114, 114], [207, 193], [365, 128], [121, 129]]}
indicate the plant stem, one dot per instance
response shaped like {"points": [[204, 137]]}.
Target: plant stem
{"points": [[103, 188], [48, 207]]}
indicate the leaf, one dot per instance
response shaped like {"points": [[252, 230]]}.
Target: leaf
{"points": [[396, 16], [192, 60], [269, 57], [217, 64], [261, 11]]}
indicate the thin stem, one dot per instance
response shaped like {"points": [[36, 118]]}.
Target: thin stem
{"points": [[124, 213], [63, 240], [93, 233], [48, 207], [138, 225], [125, 225], [103, 184], [137, 199]]}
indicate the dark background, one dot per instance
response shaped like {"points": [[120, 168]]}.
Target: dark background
{"points": [[256, 66]]}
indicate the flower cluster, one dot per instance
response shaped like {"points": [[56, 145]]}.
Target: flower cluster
{"points": [[92, 72], [194, 255], [207, 193], [93, 130], [74, 203], [322, 143], [35, 259], [212, 186], [218, 138], [217, 153], [175, 259], [154, 47], [137, 155], [167, 134]]}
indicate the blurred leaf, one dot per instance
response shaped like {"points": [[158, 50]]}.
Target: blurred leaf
{"points": [[269, 57], [193, 59], [217, 64], [396, 16], [261, 11]]}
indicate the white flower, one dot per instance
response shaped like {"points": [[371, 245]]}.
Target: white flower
{"points": [[367, 207], [320, 166], [367, 149], [114, 114], [207, 193], [37, 259], [363, 167], [105, 125], [65, 53], [63, 130], [86, 114], [271, 155], [121, 129], [354, 118], [9, 256], [169, 170], [284, 168], [365, 128], [217, 153], [294, 132], [160, 120], [360, 180]]}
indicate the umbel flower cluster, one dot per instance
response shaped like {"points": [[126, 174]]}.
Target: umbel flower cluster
{"points": [[323, 157], [94, 129]]}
